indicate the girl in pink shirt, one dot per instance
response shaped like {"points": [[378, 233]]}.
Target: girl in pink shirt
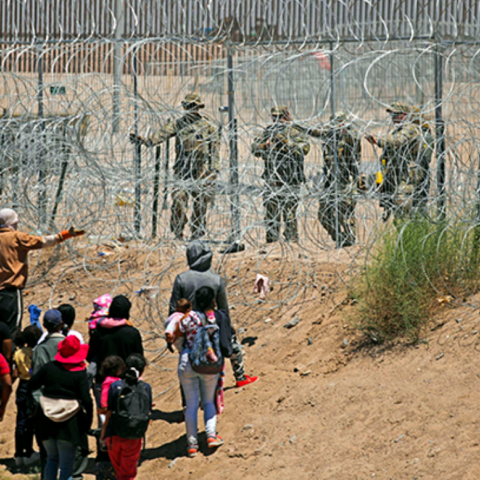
{"points": [[112, 369]]}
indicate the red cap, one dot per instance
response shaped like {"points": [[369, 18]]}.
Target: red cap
{"points": [[70, 350]]}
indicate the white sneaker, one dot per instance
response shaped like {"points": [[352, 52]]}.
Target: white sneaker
{"points": [[33, 458], [19, 461]]}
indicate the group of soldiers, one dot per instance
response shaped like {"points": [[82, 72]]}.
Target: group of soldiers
{"points": [[402, 183]]}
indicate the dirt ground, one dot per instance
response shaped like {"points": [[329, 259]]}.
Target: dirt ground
{"points": [[327, 404]]}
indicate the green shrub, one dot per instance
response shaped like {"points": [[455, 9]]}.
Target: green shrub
{"points": [[413, 265]]}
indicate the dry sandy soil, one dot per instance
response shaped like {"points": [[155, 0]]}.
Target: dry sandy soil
{"points": [[327, 404]]}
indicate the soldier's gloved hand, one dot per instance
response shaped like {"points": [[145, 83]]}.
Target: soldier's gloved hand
{"points": [[362, 182], [139, 139], [70, 233]]}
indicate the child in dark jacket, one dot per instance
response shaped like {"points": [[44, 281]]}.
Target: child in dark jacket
{"points": [[124, 452], [24, 427]]}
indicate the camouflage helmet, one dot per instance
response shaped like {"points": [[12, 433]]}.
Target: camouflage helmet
{"points": [[279, 111], [399, 107], [192, 101], [339, 117]]}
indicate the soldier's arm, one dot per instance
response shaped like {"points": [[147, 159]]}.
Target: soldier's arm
{"points": [[259, 145], [317, 132], [399, 138], [169, 130], [298, 142]]}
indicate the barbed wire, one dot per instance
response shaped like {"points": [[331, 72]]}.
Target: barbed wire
{"points": [[70, 102]]}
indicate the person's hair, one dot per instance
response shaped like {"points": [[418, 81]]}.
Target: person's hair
{"points": [[68, 316], [204, 298], [184, 305], [136, 364], [28, 337], [111, 365], [120, 307], [53, 328]]}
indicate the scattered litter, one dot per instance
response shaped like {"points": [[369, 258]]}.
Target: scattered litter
{"points": [[399, 438], [292, 323], [268, 320], [104, 254], [172, 463], [444, 299], [248, 426], [439, 356], [474, 332], [150, 291], [345, 342], [304, 374], [309, 341], [292, 439], [262, 286], [458, 320]]}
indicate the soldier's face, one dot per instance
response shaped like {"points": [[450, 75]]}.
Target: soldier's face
{"points": [[282, 118], [398, 117]]}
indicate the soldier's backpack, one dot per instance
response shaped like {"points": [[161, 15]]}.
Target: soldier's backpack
{"points": [[206, 336], [131, 413]]}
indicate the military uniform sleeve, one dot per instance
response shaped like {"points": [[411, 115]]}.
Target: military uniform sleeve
{"points": [[315, 132], [258, 145], [169, 130], [298, 142], [399, 138]]}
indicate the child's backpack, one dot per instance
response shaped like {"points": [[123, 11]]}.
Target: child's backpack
{"points": [[206, 336], [131, 413]]}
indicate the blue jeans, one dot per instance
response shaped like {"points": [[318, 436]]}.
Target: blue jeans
{"points": [[195, 385], [61, 454]]}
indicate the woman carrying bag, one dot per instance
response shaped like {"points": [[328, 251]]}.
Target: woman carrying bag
{"points": [[200, 365], [66, 407]]}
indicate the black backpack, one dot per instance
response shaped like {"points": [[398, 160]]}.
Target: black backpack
{"points": [[131, 413]]}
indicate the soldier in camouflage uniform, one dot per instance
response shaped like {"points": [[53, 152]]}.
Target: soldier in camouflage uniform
{"points": [[336, 209], [197, 145], [283, 147], [421, 173], [402, 150]]}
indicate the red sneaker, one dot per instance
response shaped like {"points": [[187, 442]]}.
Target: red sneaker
{"points": [[214, 442], [248, 380], [192, 451]]}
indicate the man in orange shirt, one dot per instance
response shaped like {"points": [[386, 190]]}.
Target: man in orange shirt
{"points": [[14, 248]]}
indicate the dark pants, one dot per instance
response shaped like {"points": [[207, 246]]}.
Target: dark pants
{"points": [[43, 452], [24, 427], [11, 308]]}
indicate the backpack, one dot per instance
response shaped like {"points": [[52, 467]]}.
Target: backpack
{"points": [[131, 413], [206, 336]]}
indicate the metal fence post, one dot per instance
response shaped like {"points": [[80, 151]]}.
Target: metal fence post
{"points": [[156, 186], [338, 242], [233, 141], [137, 209], [117, 62], [42, 174], [439, 135]]}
